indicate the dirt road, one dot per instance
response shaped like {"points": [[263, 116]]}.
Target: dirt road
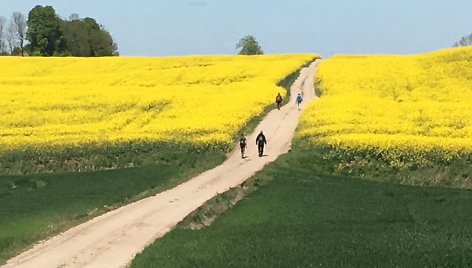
{"points": [[113, 239]]}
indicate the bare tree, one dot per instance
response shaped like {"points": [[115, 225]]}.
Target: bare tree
{"points": [[74, 16], [10, 37], [19, 22], [3, 23]]}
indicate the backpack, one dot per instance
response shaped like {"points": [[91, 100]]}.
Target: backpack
{"points": [[242, 141], [278, 98]]}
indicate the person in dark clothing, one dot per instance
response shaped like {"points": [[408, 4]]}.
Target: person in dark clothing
{"points": [[242, 145], [299, 100], [278, 100], [261, 141]]}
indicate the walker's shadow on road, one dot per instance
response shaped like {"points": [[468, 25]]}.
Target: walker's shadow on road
{"points": [[249, 158]]}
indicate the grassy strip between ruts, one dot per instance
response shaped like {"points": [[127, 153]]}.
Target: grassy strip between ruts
{"points": [[39, 205], [305, 218]]}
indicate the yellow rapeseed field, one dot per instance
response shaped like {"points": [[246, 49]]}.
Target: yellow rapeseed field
{"points": [[400, 108], [77, 101]]}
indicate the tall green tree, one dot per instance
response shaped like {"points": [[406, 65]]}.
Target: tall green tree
{"points": [[76, 38], [44, 32], [101, 42], [248, 45], [87, 38]]}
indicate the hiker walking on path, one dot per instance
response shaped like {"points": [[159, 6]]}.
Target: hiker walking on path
{"points": [[278, 100], [242, 144], [261, 141], [299, 100]]}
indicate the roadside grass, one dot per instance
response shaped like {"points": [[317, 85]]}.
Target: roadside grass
{"points": [[95, 157], [304, 217], [36, 206]]}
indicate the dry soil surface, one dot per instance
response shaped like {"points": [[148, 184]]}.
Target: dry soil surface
{"points": [[114, 238]]}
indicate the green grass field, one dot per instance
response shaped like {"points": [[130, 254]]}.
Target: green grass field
{"points": [[35, 206], [305, 218]]}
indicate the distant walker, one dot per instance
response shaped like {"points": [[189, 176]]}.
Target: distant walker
{"points": [[278, 100], [299, 100], [242, 145]]}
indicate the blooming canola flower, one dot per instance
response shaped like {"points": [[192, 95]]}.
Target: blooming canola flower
{"points": [[399, 105], [200, 100]]}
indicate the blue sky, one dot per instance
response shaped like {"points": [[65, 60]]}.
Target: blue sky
{"points": [[189, 27]]}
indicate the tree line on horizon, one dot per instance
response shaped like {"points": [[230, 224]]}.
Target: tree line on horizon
{"points": [[464, 42], [44, 33]]}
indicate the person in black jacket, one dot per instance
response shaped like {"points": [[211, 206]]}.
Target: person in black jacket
{"points": [[261, 141], [242, 145]]}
